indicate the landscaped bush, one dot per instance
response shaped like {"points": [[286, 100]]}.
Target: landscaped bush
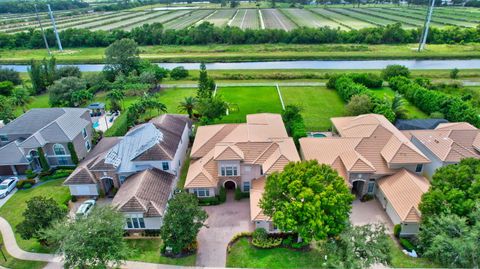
{"points": [[261, 239], [209, 201], [406, 244], [367, 79], [397, 229], [395, 70], [453, 107], [291, 242], [294, 122], [22, 183], [30, 174], [26, 186], [222, 196], [178, 72], [239, 195], [56, 174]]}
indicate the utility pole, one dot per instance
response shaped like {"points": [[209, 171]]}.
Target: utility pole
{"points": [[41, 28], [423, 39], [55, 28]]}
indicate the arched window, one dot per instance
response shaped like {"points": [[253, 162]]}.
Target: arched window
{"points": [[59, 149]]}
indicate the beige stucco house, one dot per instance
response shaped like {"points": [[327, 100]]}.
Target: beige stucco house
{"points": [[239, 156], [369, 152]]}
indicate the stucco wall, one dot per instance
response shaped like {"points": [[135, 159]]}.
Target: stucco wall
{"points": [[84, 190], [428, 169], [409, 229]]}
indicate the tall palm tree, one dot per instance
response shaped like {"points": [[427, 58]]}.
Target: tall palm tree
{"points": [[398, 106], [116, 96], [20, 97], [187, 105]]}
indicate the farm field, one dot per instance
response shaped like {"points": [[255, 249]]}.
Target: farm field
{"points": [[274, 19], [284, 18], [306, 18], [246, 19], [221, 17]]}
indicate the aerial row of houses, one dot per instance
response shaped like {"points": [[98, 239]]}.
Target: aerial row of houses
{"points": [[141, 169]]}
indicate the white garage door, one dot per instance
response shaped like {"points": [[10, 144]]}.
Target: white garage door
{"points": [[84, 190]]}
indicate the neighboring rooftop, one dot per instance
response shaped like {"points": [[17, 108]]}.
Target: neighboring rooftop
{"points": [[367, 144], [419, 124], [450, 142], [147, 192], [256, 193], [404, 191]]}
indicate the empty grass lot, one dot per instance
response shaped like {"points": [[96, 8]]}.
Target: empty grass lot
{"points": [[412, 111], [12, 210], [319, 105], [16, 263], [249, 100], [148, 250]]}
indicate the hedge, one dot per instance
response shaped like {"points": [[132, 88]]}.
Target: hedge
{"points": [[453, 108], [73, 153]]}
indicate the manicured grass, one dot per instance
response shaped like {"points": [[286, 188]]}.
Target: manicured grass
{"points": [[413, 112], [16, 263], [249, 100], [148, 250], [319, 105], [183, 173], [243, 255], [257, 52], [12, 210], [172, 97], [39, 101], [400, 260]]}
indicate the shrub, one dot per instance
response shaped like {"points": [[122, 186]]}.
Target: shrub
{"points": [[209, 201], [73, 153], [30, 174], [454, 73], [178, 72], [437, 115], [27, 186], [261, 239], [240, 195], [6, 88], [397, 229], [222, 196], [291, 242], [21, 184], [406, 244], [395, 70], [149, 232], [359, 104], [367, 79]]}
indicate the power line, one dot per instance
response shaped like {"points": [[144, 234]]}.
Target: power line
{"points": [[55, 28], [423, 39]]}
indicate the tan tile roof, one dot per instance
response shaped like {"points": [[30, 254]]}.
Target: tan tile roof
{"points": [[147, 191], [455, 126], [449, 144], [404, 191], [256, 193], [263, 140]]}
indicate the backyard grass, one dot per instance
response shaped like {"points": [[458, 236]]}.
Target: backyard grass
{"points": [[12, 210], [400, 260], [183, 173], [319, 105], [16, 263], [148, 250], [257, 52], [413, 112], [245, 256], [249, 100]]}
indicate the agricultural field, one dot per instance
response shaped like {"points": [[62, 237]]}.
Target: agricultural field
{"points": [[246, 18], [343, 17], [274, 19]]}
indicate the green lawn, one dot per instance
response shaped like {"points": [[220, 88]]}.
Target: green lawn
{"points": [[148, 250], [183, 173], [400, 260], [319, 105], [172, 97], [412, 111], [257, 52], [13, 209], [249, 100], [16, 263], [243, 255], [39, 101]]}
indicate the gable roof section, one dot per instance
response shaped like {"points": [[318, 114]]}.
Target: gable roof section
{"points": [[455, 126], [147, 191], [32, 121], [10, 154], [80, 176], [256, 193], [404, 191], [226, 152], [202, 173], [397, 151], [354, 162], [208, 136]]}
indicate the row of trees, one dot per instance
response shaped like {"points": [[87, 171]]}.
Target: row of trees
{"points": [[28, 6], [453, 108], [207, 33]]}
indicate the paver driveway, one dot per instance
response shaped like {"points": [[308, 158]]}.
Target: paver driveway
{"points": [[369, 212], [224, 221]]}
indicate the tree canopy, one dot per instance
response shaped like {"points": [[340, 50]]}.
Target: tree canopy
{"points": [[69, 91], [308, 198], [91, 242], [182, 222], [122, 56]]}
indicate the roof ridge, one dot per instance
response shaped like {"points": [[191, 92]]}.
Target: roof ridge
{"points": [[263, 152]]}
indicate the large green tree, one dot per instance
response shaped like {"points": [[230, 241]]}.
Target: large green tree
{"points": [[182, 222], [206, 85], [359, 104], [40, 213], [211, 108], [121, 56], [6, 109], [69, 91], [308, 198], [20, 97], [455, 189], [188, 105], [95, 241], [116, 96]]}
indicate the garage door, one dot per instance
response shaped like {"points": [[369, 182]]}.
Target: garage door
{"points": [[84, 190]]}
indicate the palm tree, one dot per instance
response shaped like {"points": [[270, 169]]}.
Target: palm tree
{"points": [[115, 96], [398, 106], [187, 105], [20, 97]]}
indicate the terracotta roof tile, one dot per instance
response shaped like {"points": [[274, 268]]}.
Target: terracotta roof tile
{"points": [[256, 193]]}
